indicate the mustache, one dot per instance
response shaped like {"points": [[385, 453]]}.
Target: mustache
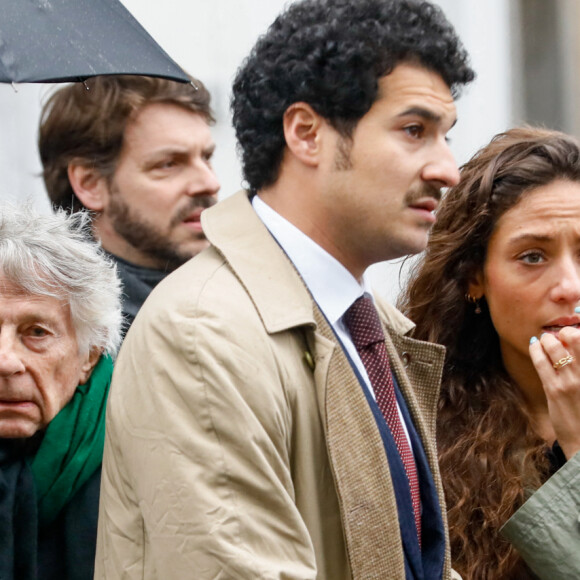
{"points": [[194, 203], [425, 190]]}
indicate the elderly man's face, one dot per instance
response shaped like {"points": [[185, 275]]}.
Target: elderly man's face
{"points": [[40, 363]]}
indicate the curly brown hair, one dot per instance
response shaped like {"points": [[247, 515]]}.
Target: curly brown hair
{"points": [[490, 456], [87, 121]]}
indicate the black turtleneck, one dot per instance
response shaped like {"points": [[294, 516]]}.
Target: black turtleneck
{"points": [[137, 285]]}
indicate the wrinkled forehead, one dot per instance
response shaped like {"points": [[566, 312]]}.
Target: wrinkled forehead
{"points": [[159, 128], [20, 307], [29, 285], [16, 285]]}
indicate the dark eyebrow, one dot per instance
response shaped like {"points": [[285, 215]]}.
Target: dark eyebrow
{"points": [[160, 153], [530, 238], [153, 159], [178, 153], [426, 114]]}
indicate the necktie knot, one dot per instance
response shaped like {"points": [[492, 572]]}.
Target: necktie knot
{"points": [[362, 321]]}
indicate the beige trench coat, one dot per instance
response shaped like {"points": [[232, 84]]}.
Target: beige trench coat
{"points": [[239, 442]]}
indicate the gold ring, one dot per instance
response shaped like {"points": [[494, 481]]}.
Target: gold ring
{"points": [[564, 361]]}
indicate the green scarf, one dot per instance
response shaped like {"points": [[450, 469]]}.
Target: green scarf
{"points": [[72, 448]]}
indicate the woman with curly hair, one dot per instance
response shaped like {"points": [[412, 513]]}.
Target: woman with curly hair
{"points": [[499, 287]]}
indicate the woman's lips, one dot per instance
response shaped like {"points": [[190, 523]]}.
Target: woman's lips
{"points": [[555, 326]]}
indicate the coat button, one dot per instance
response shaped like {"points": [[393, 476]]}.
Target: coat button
{"points": [[406, 358], [309, 360]]}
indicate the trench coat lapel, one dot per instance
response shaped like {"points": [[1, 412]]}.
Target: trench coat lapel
{"points": [[358, 461], [419, 381], [273, 284], [356, 450], [424, 365]]}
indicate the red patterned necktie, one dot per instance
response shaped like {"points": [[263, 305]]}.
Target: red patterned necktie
{"points": [[366, 332]]}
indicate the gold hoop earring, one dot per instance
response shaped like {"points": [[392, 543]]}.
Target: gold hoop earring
{"points": [[475, 301]]}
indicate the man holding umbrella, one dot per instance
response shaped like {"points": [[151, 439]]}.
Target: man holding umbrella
{"points": [[137, 152]]}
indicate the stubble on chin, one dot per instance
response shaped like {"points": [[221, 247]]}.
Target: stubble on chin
{"points": [[149, 239]]}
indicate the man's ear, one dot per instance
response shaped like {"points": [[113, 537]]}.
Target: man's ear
{"points": [[89, 185], [302, 131], [89, 364]]}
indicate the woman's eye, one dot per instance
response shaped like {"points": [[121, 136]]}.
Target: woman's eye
{"points": [[532, 258]]}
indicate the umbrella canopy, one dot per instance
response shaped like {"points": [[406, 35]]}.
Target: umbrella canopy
{"points": [[71, 40]]}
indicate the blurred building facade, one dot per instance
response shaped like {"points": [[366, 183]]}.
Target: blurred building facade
{"points": [[547, 59], [525, 52]]}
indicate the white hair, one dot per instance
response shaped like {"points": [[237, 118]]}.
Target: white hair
{"points": [[54, 255]]}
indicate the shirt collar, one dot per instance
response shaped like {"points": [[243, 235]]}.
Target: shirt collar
{"points": [[332, 286]]}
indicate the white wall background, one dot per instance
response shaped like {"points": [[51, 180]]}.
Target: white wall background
{"points": [[210, 39]]}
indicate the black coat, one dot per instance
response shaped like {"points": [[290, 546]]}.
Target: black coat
{"points": [[66, 548], [62, 550]]}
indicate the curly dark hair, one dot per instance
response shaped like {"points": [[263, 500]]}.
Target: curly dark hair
{"points": [[87, 121], [331, 54], [490, 455]]}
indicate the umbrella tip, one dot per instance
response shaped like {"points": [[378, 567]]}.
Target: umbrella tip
{"points": [[86, 86], [14, 88], [195, 87]]}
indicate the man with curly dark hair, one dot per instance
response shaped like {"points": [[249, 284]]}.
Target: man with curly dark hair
{"points": [[255, 429]]}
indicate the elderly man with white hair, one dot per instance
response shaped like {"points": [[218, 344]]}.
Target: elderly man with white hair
{"points": [[60, 318]]}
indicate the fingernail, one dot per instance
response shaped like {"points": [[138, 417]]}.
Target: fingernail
{"points": [[533, 339], [577, 310], [543, 334]]}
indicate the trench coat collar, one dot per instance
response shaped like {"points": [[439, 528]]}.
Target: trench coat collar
{"points": [[277, 290]]}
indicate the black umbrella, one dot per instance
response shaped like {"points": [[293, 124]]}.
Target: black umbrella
{"points": [[71, 40]]}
